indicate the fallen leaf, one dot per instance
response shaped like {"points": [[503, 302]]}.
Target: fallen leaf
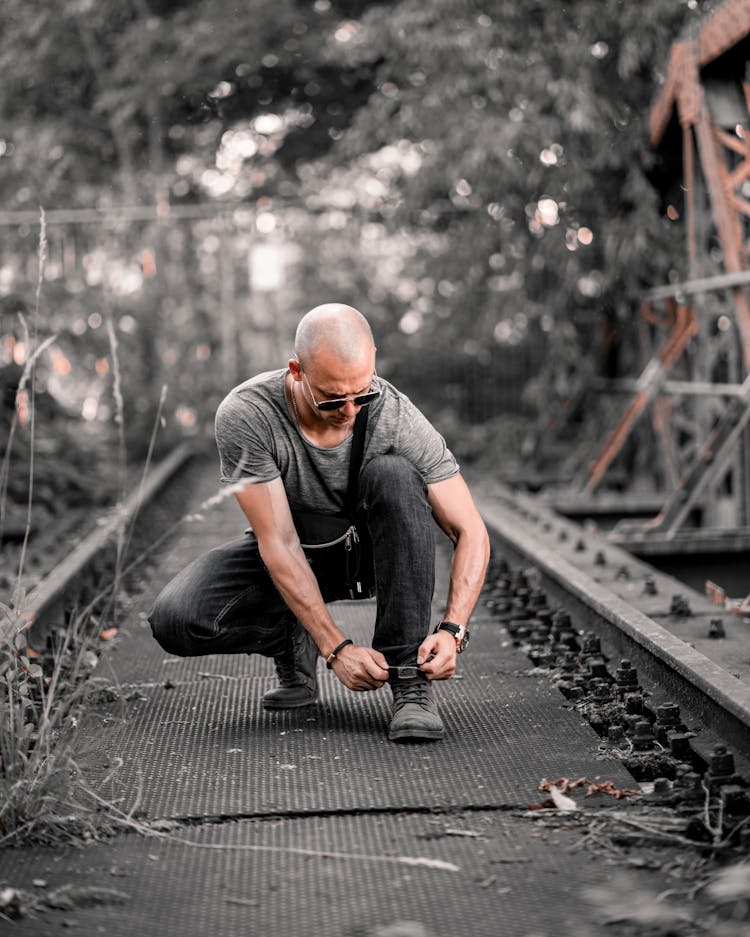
{"points": [[108, 634], [608, 787]]}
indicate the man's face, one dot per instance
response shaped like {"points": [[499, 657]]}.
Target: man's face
{"points": [[328, 378]]}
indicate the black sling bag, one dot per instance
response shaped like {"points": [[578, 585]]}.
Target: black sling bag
{"points": [[338, 546]]}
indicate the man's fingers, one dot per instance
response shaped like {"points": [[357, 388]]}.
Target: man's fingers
{"points": [[380, 668], [442, 666], [429, 647], [362, 669]]}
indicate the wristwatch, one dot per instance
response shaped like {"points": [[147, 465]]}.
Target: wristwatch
{"points": [[459, 632]]}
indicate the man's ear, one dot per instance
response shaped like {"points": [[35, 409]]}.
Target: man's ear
{"points": [[295, 370]]}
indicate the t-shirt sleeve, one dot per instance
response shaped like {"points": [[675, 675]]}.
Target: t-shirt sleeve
{"points": [[420, 443], [245, 442]]}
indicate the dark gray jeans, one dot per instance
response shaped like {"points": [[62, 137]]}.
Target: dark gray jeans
{"points": [[225, 602]]}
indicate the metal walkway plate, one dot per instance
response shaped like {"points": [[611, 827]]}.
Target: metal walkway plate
{"points": [[207, 748], [192, 742]]}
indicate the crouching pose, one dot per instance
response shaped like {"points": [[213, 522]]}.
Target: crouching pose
{"points": [[343, 480]]}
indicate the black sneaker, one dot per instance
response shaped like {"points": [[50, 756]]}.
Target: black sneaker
{"points": [[415, 715], [295, 667]]}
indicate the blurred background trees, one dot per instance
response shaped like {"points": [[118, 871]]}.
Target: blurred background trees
{"points": [[473, 176]]}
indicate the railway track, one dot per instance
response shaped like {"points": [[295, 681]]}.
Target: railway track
{"points": [[49, 600], [686, 650], [603, 589], [187, 740]]}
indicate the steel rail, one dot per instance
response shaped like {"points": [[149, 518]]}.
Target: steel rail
{"points": [[47, 597], [715, 697]]}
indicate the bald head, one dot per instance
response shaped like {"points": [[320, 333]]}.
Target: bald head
{"points": [[336, 330]]}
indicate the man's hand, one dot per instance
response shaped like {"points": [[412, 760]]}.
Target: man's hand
{"points": [[442, 664], [360, 668]]}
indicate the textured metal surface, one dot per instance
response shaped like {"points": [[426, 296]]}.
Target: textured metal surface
{"points": [[193, 742], [243, 878], [207, 748], [192, 739]]}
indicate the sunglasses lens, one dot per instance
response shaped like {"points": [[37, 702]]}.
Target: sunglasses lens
{"points": [[327, 405]]}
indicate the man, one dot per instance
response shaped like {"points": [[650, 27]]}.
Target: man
{"points": [[289, 434]]}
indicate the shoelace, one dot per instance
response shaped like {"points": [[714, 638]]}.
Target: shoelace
{"points": [[285, 669], [415, 691], [286, 663]]}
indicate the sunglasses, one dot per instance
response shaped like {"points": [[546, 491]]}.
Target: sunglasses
{"points": [[359, 400]]}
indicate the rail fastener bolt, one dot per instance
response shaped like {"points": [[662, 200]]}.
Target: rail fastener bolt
{"points": [[643, 737], [721, 768], [680, 607], [597, 668], [634, 703], [679, 745], [667, 718], [591, 645], [716, 628], [602, 693], [691, 788], [626, 676], [616, 737], [649, 586], [662, 791]]}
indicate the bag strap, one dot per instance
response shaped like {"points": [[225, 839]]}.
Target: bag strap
{"points": [[355, 461]]}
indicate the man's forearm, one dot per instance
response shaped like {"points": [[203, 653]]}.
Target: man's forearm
{"points": [[468, 569], [296, 582]]}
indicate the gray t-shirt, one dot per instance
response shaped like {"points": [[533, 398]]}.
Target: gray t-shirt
{"points": [[259, 440]]}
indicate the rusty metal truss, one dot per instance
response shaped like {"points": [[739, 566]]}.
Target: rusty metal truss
{"points": [[695, 335]]}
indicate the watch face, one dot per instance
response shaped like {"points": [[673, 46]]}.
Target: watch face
{"points": [[464, 641]]}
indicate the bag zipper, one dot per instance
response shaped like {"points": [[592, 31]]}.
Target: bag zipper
{"points": [[350, 536]]}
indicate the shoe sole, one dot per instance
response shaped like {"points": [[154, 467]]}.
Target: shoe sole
{"points": [[416, 735], [272, 704]]}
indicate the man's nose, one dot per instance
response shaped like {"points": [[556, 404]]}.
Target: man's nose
{"points": [[350, 408]]}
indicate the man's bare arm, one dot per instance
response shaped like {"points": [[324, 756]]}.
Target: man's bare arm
{"points": [[455, 512], [266, 507]]}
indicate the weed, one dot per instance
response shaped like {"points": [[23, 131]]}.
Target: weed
{"points": [[39, 799]]}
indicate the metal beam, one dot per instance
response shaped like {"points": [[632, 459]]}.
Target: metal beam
{"points": [[711, 463], [162, 212], [628, 385], [721, 281], [648, 388]]}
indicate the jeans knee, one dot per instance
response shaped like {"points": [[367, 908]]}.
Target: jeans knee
{"points": [[391, 475], [162, 619]]}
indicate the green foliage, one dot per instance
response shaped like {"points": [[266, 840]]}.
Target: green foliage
{"points": [[473, 176]]}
